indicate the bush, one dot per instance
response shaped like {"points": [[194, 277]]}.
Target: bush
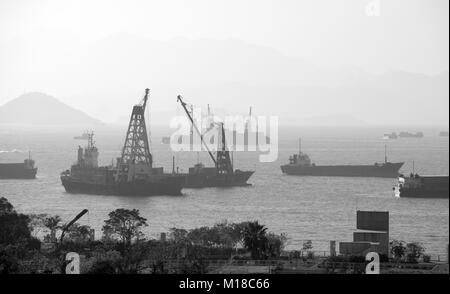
{"points": [[8, 263], [414, 251], [102, 267]]}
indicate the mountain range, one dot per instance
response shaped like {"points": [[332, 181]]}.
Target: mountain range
{"points": [[106, 77], [36, 108]]}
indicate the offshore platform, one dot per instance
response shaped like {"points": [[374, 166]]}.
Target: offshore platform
{"points": [[222, 174], [133, 174]]}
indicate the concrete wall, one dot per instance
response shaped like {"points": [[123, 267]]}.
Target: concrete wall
{"points": [[374, 237], [357, 248], [372, 220]]}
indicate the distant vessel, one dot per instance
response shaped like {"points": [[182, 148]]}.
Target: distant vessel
{"points": [[84, 136], [133, 173], [252, 135], [410, 135], [443, 134], [24, 170], [223, 173], [391, 136], [300, 165], [165, 140], [416, 186]]}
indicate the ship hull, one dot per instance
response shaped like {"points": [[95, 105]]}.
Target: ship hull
{"points": [[16, 171], [237, 179], [431, 187], [423, 193], [170, 185], [389, 170]]}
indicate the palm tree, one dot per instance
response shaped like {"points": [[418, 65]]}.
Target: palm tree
{"points": [[255, 239], [53, 224]]}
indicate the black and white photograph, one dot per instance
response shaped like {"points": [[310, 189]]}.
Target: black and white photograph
{"points": [[210, 138]]}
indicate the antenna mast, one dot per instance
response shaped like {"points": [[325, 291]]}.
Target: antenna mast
{"points": [[385, 154], [299, 146]]}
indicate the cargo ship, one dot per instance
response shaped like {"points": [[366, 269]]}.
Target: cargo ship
{"points": [[23, 170], [390, 136], [410, 135], [416, 186], [300, 165], [133, 174], [222, 174]]}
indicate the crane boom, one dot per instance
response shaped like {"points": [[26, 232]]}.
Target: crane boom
{"points": [[183, 104], [66, 227], [144, 103]]}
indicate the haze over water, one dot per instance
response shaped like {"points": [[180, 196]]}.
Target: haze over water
{"points": [[306, 208]]}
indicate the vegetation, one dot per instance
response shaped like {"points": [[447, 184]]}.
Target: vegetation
{"points": [[123, 247], [409, 252], [398, 249], [413, 252], [124, 224]]}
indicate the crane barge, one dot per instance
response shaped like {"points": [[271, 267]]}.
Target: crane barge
{"points": [[133, 175], [223, 173]]}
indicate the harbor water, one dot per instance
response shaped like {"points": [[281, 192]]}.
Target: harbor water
{"points": [[305, 208]]}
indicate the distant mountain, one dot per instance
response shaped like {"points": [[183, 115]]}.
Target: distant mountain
{"points": [[36, 108], [113, 72]]}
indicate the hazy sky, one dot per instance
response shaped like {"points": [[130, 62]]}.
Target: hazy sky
{"points": [[316, 57], [409, 35]]}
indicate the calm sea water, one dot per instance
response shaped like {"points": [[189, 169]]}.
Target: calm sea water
{"points": [[305, 208]]}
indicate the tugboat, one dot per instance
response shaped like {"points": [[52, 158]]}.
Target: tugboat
{"points": [[133, 175], [416, 186], [24, 170], [223, 173], [300, 165]]}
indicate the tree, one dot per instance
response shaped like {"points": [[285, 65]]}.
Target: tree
{"points": [[307, 245], [398, 249], [37, 223], [125, 224], [13, 226], [5, 206], [179, 235], [53, 224], [414, 251], [8, 264], [79, 233], [222, 234], [255, 239], [275, 244]]}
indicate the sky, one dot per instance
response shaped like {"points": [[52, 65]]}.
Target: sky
{"points": [[410, 35], [252, 50]]}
